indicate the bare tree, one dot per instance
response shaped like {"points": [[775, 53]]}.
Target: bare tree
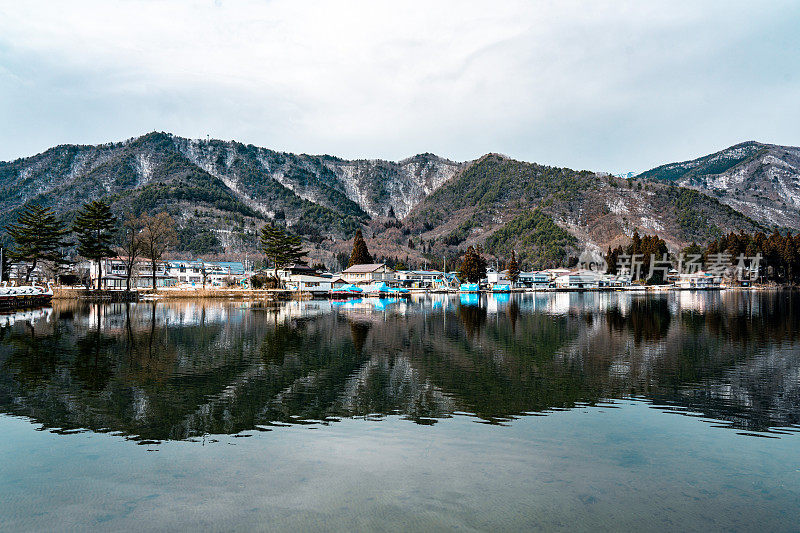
{"points": [[158, 235], [131, 248], [204, 273]]}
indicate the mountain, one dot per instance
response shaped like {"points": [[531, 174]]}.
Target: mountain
{"points": [[221, 192], [760, 180], [421, 210], [547, 213]]}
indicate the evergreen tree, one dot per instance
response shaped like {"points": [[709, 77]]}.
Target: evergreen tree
{"points": [[693, 249], [360, 254], [279, 247], [271, 239], [293, 249], [513, 268], [158, 236], [612, 259], [473, 266], [94, 227], [38, 236], [636, 243]]}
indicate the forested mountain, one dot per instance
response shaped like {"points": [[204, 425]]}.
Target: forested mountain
{"points": [[422, 210], [759, 180], [547, 213], [220, 192]]}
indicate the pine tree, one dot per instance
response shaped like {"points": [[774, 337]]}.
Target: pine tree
{"points": [[272, 243], [94, 226], [279, 247], [611, 261], [360, 254], [513, 268], [292, 249], [473, 266], [38, 235]]}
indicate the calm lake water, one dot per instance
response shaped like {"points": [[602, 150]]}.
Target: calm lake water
{"points": [[563, 411]]}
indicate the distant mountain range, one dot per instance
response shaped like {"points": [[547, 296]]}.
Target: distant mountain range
{"points": [[423, 209]]}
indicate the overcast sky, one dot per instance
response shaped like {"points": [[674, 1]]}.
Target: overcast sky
{"points": [[591, 85]]}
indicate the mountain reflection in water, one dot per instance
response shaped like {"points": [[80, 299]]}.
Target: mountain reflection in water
{"points": [[158, 371]]}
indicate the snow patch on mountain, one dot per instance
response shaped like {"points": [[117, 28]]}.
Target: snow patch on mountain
{"points": [[143, 168], [617, 206]]}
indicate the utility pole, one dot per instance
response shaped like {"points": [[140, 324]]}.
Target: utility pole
{"points": [[2, 262]]}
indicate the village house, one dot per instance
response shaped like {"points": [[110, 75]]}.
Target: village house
{"points": [[579, 279], [697, 280], [614, 281], [299, 268], [312, 284], [418, 278], [169, 273], [186, 272], [493, 277], [369, 273], [534, 279], [113, 273], [554, 273]]}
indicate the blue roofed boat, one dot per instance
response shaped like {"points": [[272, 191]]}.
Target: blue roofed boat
{"points": [[383, 289], [399, 291], [469, 287], [347, 291]]}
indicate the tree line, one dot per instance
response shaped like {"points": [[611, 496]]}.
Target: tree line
{"points": [[780, 253], [645, 248], [39, 236]]}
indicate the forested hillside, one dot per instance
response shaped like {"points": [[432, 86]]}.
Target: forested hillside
{"points": [[221, 192], [546, 214]]}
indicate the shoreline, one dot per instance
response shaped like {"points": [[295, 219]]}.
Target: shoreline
{"points": [[69, 293]]}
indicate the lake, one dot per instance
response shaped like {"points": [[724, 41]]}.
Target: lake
{"points": [[551, 411]]}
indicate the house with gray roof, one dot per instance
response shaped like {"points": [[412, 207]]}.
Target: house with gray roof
{"points": [[369, 273]]}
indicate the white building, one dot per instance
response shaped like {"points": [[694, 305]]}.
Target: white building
{"points": [[613, 281], [418, 278], [553, 273], [697, 280], [534, 279], [493, 277], [313, 284], [579, 279], [114, 272]]}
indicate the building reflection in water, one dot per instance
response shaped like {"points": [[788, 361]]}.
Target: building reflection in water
{"points": [[177, 370]]}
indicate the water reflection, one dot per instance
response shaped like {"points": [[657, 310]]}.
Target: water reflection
{"points": [[157, 371]]}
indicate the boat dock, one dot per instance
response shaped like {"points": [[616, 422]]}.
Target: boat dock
{"points": [[29, 296]]}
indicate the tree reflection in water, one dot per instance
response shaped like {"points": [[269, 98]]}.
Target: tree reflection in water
{"points": [[179, 370]]}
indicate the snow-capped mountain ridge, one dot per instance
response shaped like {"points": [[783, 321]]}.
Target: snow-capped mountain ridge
{"points": [[760, 180]]}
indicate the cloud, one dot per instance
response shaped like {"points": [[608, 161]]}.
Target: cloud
{"points": [[600, 85]]}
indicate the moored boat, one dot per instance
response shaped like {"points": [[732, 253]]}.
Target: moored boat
{"points": [[347, 291], [501, 287], [469, 288]]}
